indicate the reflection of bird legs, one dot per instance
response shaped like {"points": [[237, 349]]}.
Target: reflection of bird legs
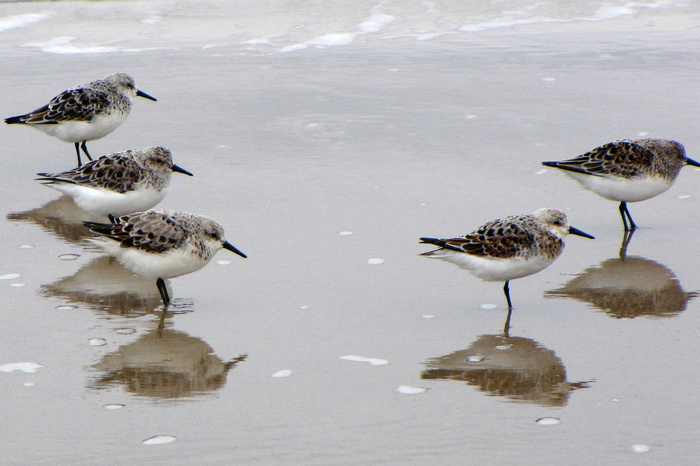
{"points": [[506, 327], [625, 214], [161, 321], [626, 238], [506, 290], [234, 361]]}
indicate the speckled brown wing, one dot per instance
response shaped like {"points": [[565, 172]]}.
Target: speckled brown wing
{"points": [[119, 173], [500, 239], [620, 158], [73, 105], [150, 231]]}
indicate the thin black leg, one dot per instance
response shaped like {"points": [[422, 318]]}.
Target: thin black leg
{"points": [[166, 301], [163, 291], [77, 151], [625, 213], [112, 218], [84, 147], [506, 290]]}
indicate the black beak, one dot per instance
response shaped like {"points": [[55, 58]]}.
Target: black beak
{"points": [[181, 170], [692, 162], [145, 96], [232, 248], [577, 232]]}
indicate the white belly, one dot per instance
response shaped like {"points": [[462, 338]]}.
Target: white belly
{"points": [[491, 269], [171, 264], [100, 201], [621, 189], [78, 131]]}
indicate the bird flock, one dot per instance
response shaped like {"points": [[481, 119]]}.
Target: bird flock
{"points": [[166, 244], [517, 246], [123, 186]]}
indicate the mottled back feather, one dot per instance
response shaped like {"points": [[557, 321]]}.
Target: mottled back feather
{"points": [[79, 104], [513, 239], [119, 173], [151, 231], [624, 158]]}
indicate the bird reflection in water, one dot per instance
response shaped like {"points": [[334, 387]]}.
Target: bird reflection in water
{"points": [[163, 365], [101, 283], [60, 218], [517, 368], [628, 287]]}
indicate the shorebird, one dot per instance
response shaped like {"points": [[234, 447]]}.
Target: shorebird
{"points": [[628, 170], [508, 248], [88, 112], [118, 184], [162, 244]]}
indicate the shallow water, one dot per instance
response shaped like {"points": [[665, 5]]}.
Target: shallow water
{"points": [[327, 139]]}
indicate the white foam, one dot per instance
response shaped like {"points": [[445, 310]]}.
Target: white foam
{"points": [[19, 21], [611, 12], [265, 40], [114, 406], [63, 45], [408, 390], [159, 440], [375, 23], [507, 22], [371, 361], [640, 448], [29, 367], [602, 12]]}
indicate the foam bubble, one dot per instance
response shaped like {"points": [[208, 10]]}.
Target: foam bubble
{"points": [[408, 390], [159, 440], [371, 361], [29, 367]]}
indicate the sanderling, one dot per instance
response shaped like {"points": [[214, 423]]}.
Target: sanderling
{"points": [[118, 184], [508, 248], [88, 112], [628, 170], [162, 244]]}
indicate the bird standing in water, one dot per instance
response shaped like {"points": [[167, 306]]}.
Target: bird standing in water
{"points": [[508, 248], [88, 112], [628, 170]]}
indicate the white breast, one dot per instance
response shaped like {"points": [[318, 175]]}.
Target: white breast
{"points": [[623, 189], [494, 269], [100, 201]]}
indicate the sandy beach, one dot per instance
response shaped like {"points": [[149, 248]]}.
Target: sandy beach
{"points": [[327, 138]]}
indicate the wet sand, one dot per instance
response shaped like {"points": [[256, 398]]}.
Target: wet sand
{"points": [[318, 161]]}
